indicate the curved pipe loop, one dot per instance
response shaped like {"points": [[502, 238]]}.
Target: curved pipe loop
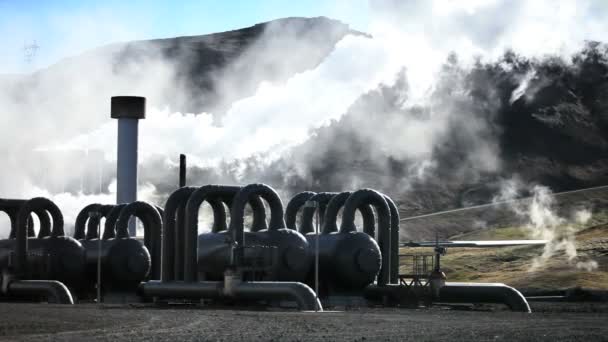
{"points": [[170, 236], [376, 199], [335, 201], [394, 237], [322, 199], [484, 293], [237, 211], [219, 215], [259, 214], [190, 262], [55, 291], [294, 205], [23, 216], [109, 228], [331, 213], [81, 220], [257, 208], [11, 208], [152, 222], [45, 224], [88, 219], [93, 225]]}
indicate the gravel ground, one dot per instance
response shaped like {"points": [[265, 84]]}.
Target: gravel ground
{"points": [[550, 322]]}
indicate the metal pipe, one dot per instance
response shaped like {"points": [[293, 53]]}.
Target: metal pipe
{"points": [[94, 221], [219, 223], [11, 207], [152, 223], [182, 170], [21, 246], [109, 228], [55, 291], [219, 215], [237, 212], [81, 220], [169, 262], [484, 293], [45, 223], [376, 199], [195, 200], [322, 198], [180, 289], [300, 293], [334, 202], [259, 214], [174, 232], [128, 110], [294, 205], [394, 237], [257, 208], [331, 213]]}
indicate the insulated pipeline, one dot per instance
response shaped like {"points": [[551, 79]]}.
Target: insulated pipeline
{"points": [[152, 223], [368, 196]]}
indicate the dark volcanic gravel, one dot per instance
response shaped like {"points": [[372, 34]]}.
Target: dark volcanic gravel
{"points": [[41, 322]]}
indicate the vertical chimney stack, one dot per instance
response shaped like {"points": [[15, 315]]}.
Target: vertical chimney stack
{"points": [[128, 110]]}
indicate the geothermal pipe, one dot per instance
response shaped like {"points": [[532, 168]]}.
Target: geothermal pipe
{"points": [[85, 226], [55, 291], [109, 228], [152, 222], [484, 293], [323, 198], [394, 241], [300, 293], [21, 232], [176, 225], [11, 208], [174, 230], [128, 110], [182, 170], [94, 221], [50, 288], [257, 208], [231, 287], [368, 196], [495, 293], [190, 237], [294, 205]]}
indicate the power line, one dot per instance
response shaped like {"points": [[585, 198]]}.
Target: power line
{"points": [[30, 51], [497, 203]]}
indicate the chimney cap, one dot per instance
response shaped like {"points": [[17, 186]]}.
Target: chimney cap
{"points": [[129, 107]]}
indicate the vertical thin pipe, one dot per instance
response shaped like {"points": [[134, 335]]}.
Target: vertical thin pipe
{"points": [[182, 170]]}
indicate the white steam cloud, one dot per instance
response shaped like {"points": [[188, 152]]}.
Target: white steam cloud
{"points": [[542, 221], [415, 36]]}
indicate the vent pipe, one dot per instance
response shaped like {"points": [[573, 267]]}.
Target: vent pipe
{"points": [[128, 110]]}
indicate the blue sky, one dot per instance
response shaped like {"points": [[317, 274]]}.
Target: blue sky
{"points": [[62, 28]]}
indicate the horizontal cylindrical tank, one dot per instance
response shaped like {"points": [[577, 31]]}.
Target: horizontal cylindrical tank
{"points": [[283, 252], [124, 260], [129, 259], [348, 259], [293, 254], [355, 254], [214, 252], [56, 257]]}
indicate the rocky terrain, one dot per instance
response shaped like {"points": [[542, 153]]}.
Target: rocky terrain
{"points": [[29, 322]]}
